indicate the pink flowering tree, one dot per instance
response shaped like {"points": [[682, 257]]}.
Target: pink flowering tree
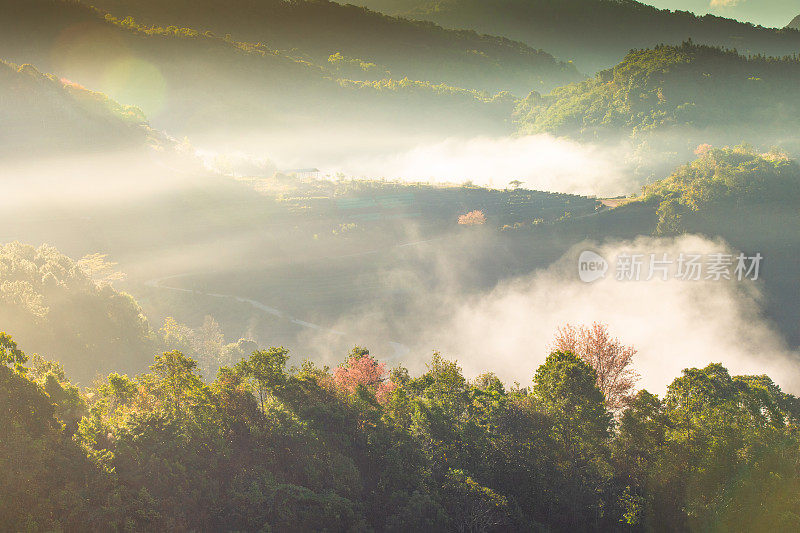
{"points": [[607, 355], [362, 369], [703, 149], [473, 218]]}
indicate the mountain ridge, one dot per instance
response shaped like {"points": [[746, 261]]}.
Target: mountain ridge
{"points": [[670, 86], [595, 34], [317, 29], [43, 113], [176, 75]]}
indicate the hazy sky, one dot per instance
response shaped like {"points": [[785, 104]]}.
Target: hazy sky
{"points": [[775, 13]]}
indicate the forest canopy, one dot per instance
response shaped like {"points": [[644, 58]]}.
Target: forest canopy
{"points": [[678, 88], [722, 179], [54, 306], [264, 446]]}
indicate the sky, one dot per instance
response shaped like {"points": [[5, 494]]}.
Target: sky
{"points": [[772, 13]]}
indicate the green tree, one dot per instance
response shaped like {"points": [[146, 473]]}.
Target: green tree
{"points": [[565, 388], [10, 354], [266, 370], [176, 377]]}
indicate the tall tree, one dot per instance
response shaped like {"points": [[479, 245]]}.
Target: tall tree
{"points": [[611, 360], [266, 370], [176, 376]]}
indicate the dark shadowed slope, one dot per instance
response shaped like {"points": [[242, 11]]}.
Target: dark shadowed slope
{"points": [[594, 33], [370, 44], [189, 82]]}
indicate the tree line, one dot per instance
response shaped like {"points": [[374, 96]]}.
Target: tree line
{"points": [[265, 446]]}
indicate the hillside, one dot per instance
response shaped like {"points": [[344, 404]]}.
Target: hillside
{"points": [[44, 115], [68, 308], [296, 266], [739, 194], [721, 179], [595, 34], [374, 44], [190, 83], [795, 23], [694, 93]]}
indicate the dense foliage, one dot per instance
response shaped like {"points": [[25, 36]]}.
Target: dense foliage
{"points": [[722, 179], [673, 88], [54, 305], [263, 447]]}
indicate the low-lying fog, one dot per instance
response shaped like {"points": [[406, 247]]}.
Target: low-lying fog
{"points": [[674, 324], [506, 329], [541, 162]]}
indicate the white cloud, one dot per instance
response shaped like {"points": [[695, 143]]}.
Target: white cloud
{"points": [[541, 162], [674, 324]]}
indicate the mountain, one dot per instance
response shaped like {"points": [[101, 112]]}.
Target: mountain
{"points": [[190, 83], [595, 34], [795, 23], [746, 197], [43, 114], [697, 92], [371, 44]]}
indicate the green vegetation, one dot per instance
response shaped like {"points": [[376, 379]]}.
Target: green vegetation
{"points": [[673, 88], [55, 306], [722, 179], [70, 309], [744, 196], [217, 435], [176, 76], [595, 34], [263, 447], [316, 29]]}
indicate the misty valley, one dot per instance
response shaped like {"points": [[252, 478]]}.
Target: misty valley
{"points": [[399, 266]]}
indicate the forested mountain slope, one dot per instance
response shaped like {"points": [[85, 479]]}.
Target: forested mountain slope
{"points": [[594, 33], [746, 197], [189, 82], [701, 90], [42, 114], [371, 44]]}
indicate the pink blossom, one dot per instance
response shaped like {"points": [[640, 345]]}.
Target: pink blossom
{"points": [[473, 218], [703, 149], [363, 370]]}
